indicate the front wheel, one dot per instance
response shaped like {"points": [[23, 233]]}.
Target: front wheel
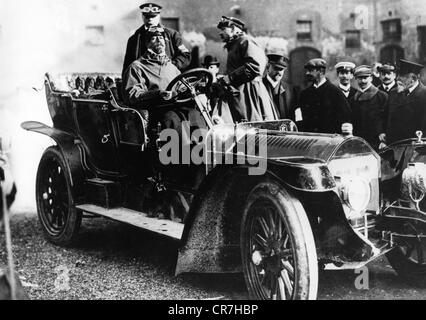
{"points": [[59, 218], [277, 246], [409, 260]]}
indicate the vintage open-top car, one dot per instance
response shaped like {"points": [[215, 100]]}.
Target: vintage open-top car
{"points": [[264, 199]]}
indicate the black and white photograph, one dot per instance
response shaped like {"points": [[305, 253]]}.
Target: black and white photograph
{"points": [[220, 150]]}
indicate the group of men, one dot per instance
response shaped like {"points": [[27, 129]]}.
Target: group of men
{"points": [[255, 88]]}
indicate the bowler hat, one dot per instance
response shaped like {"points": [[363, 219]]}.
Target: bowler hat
{"points": [[278, 60], [363, 71], [150, 9], [316, 63], [210, 61], [406, 67]]}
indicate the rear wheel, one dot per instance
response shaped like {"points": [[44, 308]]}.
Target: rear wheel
{"points": [[409, 260], [277, 246], [59, 218]]}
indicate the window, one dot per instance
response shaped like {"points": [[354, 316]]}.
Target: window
{"points": [[172, 23], [304, 30], [391, 30], [353, 39], [95, 35], [421, 31]]}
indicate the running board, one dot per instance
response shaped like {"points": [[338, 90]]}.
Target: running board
{"points": [[138, 219]]}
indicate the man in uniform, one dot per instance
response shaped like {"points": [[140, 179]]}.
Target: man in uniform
{"points": [[345, 73], [368, 107], [407, 116], [136, 45], [323, 106], [247, 96], [279, 90]]}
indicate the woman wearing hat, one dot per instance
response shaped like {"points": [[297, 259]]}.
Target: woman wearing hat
{"points": [[247, 96]]}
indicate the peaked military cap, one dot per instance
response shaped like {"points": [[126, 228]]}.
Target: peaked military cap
{"points": [[278, 60], [345, 66], [406, 66], [150, 9], [231, 21], [316, 63], [363, 71]]}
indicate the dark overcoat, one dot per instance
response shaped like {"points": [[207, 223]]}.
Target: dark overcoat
{"points": [[175, 49], [406, 114], [324, 109], [245, 66], [368, 113], [284, 98]]}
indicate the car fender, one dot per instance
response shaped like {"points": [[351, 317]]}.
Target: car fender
{"points": [[70, 147]]}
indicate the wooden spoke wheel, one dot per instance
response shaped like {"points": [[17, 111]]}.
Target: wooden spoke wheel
{"points": [[277, 246], [58, 216]]}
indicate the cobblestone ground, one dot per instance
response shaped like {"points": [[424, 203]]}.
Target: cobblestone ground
{"points": [[115, 261]]}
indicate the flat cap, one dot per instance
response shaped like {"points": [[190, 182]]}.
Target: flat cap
{"points": [[316, 63], [363, 71], [278, 60], [406, 66], [150, 9], [231, 21], [345, 65], [387, 67], [210, 61]]}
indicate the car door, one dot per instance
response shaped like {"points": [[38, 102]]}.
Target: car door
{"points": [[94, 126]]}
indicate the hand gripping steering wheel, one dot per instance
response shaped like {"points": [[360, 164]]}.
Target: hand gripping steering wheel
{"points": [[191, 83]]}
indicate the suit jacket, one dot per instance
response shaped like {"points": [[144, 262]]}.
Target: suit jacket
{"points": [[324, 109], [406, 115], [175, 49], [284, 98], [367, 114]]}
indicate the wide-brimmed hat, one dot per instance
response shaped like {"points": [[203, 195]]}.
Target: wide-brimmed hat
{"points": [[406, 67]]}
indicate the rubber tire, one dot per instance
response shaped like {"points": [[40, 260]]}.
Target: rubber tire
{"points": [[300, 232], [68, 235], [408, 270]]}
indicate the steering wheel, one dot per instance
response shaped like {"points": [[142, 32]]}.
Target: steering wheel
{"points": [[199, 79]]}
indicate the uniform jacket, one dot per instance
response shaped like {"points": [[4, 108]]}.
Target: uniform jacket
{"points": [[145, 77], [406, 114], [246, 64], [324, 109], [175, 49], [284, 99], [368, 114]]}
